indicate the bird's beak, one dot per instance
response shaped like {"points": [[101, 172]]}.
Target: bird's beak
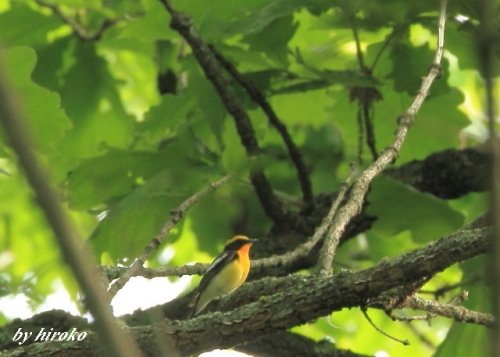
{"points": [[253, 240]]}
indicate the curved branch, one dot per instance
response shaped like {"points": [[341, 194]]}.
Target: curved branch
{"points": [[182, 24], [293, 150], [354, 204]]}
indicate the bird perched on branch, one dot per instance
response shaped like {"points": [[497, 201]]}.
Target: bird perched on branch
{"points": [[226, 273]]}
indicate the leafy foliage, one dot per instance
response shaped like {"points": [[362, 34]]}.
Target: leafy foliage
{"points": [[126, 153]]}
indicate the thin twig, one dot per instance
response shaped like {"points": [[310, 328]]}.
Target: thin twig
{"points": [[439, 292], [404, 342], [421, 335], [183, 25], [80, 31], [113, 272], [361, 134], [175, 216], [116, 341], [384, 46], [359, 52], [304, 249], [458, 313], [368, 116], [293, 151], [427, 317], [324, 259], [364, 116], [354, 204]]}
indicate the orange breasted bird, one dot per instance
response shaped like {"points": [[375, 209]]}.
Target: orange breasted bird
{"points": [[226, 273]]}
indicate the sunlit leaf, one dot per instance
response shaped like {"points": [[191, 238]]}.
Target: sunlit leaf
{"points": [[425, 216], [42, 108]]}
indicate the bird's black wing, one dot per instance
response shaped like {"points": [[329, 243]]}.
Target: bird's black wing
{"points": [[221, 261]]}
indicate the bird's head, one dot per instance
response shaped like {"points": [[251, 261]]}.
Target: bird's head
{"points": [[238, 242]]}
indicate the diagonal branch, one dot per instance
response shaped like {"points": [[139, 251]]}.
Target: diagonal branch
{"points": [[293, 150], [175, 216], [182, 24], [355, 202], [76, 254]]}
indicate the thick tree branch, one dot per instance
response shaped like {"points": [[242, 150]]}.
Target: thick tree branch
{"points": [[75, 253], [285, 344], [182, 24], [446, 174], [268, 301]]}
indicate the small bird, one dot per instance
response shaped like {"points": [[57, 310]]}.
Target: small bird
{"points": [[226, 273]]}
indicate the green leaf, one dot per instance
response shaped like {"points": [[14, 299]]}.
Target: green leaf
{"points": [[142, 29], [30, 256], [136, 219], [348, 78], [425, 216], [22, 26], [233, 154], [373, 15], [181, 171], [41, 107], [99, 118], [464, 337], [210, 106], [408, 69], [80, 4], [461, 41], [260, 18], [51, 65], [437, 127], [212, 220], [164, 121], [111, 176], [223, 19], [273, 40], [308, 107]]}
